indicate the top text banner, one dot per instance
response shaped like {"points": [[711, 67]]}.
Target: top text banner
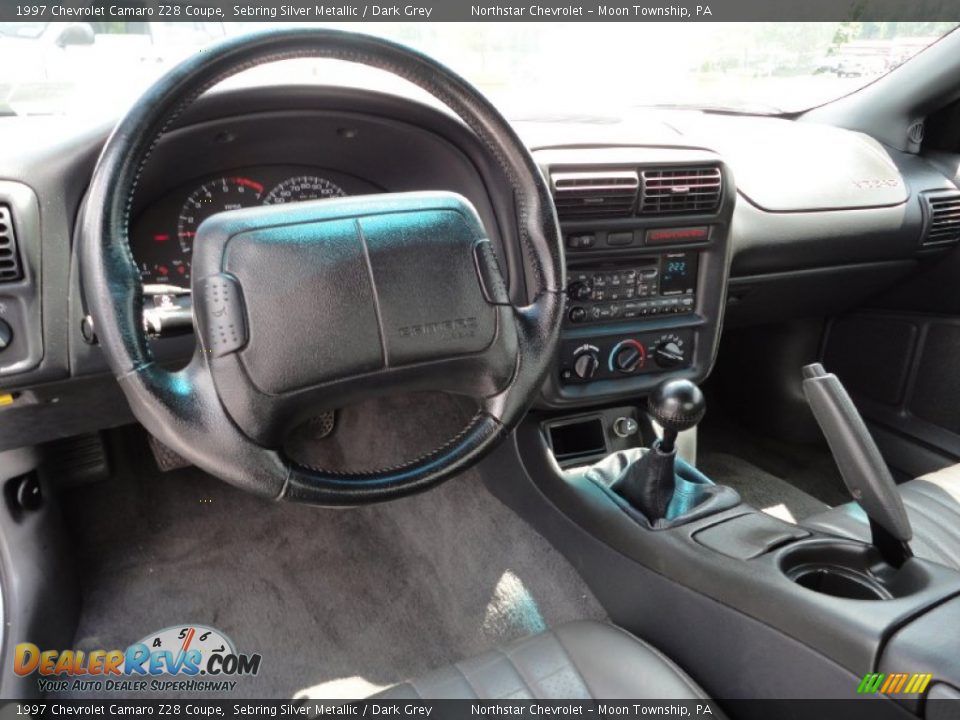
{"points": [[479, 11]]}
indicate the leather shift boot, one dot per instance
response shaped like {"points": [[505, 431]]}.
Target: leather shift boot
{"points": [[648, 483], [694, 496]]}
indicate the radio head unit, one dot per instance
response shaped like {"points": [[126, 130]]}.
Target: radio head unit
{"points": [[663, 284]]}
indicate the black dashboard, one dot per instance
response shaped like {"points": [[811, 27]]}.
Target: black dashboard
{"points": [[675, 225]]}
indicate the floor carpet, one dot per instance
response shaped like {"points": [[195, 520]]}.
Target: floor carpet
{"points": [[759, 488], [806, 468], [337, 602]]}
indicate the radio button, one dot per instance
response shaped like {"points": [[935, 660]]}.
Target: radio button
{"points": [[580, 290], [579, 242]]}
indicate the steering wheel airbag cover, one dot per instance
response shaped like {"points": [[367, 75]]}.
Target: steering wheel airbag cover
{"points": [[337, 288]]}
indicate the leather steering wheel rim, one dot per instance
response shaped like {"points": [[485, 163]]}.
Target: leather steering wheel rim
{"points": [[181, 407]]}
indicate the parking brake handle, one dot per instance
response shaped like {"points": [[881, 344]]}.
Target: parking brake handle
{"points": [[865, 473]]}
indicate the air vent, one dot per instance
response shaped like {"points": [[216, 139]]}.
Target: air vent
{"points": [[9, 260], [675, 191], [600, 193], [943, 219]]}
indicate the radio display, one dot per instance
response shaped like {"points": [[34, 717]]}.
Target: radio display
{"points": [[678, 273]]}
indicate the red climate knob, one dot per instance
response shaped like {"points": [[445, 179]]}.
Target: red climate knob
{"points": [[627, 357]]}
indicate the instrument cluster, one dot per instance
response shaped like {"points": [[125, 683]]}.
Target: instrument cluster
{"points": [[162, 236]]}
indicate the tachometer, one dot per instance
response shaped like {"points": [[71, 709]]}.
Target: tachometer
{"points": [[162, 241], [220, 195], [305, 187]]}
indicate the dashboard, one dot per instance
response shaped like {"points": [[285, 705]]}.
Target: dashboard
{"points": [[675, 226], [161, 237]]}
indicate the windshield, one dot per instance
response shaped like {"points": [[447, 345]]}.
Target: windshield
{"points": [[23, 29], [605, 70]]}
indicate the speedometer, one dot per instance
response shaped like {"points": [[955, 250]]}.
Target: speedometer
{"points": [[220, 195], [305, 187]]}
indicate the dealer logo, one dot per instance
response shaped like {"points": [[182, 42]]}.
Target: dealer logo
{"points": [[177, 658]]}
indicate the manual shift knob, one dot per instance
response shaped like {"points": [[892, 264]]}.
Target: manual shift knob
{"points": [[677, 405]]}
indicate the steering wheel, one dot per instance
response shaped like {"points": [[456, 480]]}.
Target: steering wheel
{"points": [[299, 308]]}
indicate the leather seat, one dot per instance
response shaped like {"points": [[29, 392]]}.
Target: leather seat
{"points": [[933, 505], [578, 660]]}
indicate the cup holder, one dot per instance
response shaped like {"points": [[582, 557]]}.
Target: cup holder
{"points": [[849, 570], [839, 582]]}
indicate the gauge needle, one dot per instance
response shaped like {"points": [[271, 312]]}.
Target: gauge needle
{"points": [[184, 647], [187, 639]]}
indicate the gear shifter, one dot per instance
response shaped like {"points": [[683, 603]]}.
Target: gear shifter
{"points": [[648, 484], [677, 405]]}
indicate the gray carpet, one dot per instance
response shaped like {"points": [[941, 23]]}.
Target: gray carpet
{"points": [[758, 487], [337, 602], [807, 468]]}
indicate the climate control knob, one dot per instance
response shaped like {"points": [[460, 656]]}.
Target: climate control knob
{"points": [[627, 357], [585, 364], [669, 352]]}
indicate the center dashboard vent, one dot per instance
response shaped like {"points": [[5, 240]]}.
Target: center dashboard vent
{"points": [[599, 193], [10, 269], [943, 219], [679, 190]]}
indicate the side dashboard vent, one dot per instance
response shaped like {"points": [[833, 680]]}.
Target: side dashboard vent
{"points": [[10, 269], [674, 191], [943, 219], [600, 193]]}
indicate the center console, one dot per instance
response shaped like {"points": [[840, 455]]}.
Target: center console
{"points": [[754, 607], [647, 250], [684, 562]]}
